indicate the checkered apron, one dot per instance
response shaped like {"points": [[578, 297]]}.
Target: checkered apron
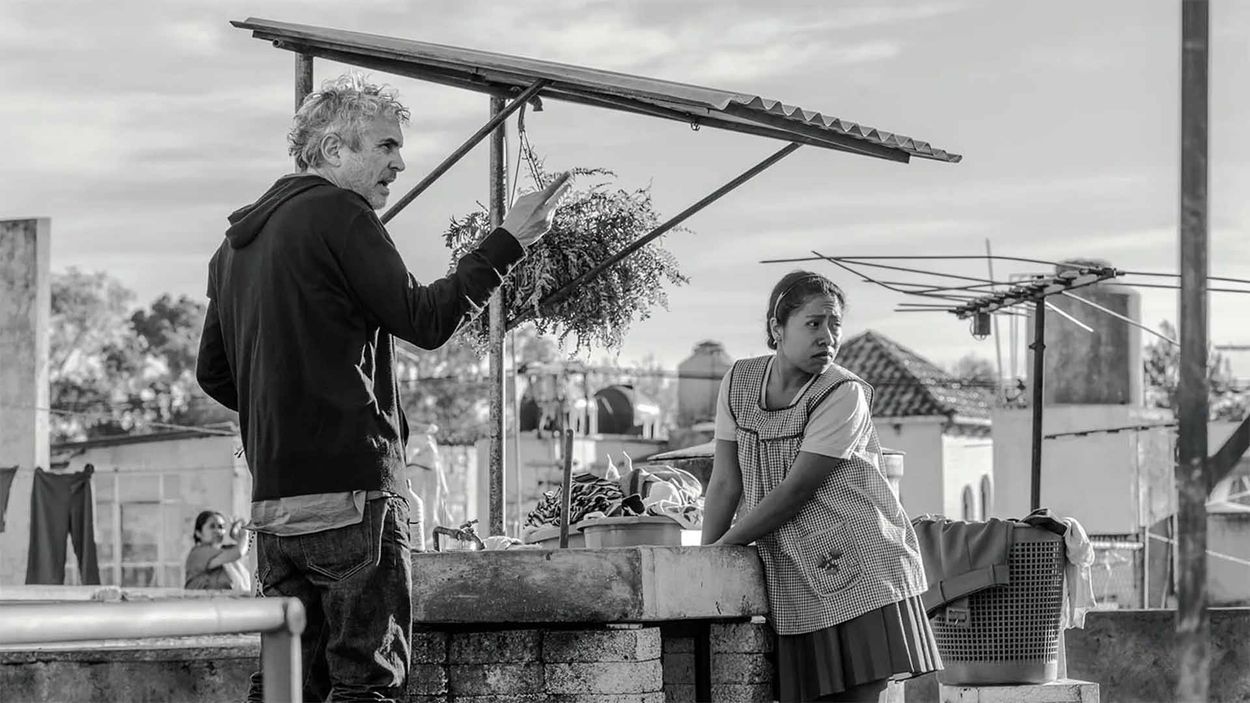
{"points": [[850, 549]]}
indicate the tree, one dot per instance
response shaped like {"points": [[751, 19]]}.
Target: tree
{"points": [[114, 372], [975, 370], [1162, 373]]}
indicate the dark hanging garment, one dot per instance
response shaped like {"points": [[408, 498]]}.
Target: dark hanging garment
{"points": [[61, 505], [6, 482]]}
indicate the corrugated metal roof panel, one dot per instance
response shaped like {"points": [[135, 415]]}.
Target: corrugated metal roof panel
{"points": [[492, 72]]}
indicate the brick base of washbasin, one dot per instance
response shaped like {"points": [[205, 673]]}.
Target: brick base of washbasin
{"points": [[605, 664]]}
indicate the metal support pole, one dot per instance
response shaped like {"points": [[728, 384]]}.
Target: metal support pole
{"points": [[1039, 385], [496, 119], [303, 77], [280, 660], [568, 288], [498, 194], [1192, 624]]}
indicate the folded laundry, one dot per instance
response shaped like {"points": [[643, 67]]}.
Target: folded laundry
{"points": [[588, 493]]}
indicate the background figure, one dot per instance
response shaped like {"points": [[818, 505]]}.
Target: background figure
{"points": [[213, 565], [428, 476]]}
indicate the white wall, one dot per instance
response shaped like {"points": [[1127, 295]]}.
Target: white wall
{"points": [[921, 489], [1107, 481], [966, 460]]}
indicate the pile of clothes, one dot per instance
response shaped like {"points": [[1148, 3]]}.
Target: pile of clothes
{"points": [[656, 490]]}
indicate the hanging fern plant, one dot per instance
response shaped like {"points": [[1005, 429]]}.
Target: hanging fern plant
{"points": [[593, 223]]}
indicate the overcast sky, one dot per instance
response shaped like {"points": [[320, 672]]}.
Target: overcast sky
{"points": [[138, 126]]}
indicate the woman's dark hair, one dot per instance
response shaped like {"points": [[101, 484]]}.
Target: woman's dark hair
{"points": [[791, 292], [202, 518]]}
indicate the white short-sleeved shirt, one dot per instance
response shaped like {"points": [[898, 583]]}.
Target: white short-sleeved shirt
{"points": [[832, 429]]}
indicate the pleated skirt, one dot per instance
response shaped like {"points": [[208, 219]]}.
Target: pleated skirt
{"points": [[891, 642]]}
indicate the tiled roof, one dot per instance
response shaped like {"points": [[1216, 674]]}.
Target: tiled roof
{"points": [[906, 383]]}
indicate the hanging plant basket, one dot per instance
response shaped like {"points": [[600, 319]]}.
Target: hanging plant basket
{"points": [[593, 223]]}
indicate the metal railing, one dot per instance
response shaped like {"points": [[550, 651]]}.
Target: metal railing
{"points": [[280, 622]]}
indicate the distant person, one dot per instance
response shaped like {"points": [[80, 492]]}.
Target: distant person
{"points": [[305, 295], [213, 565], [795, 441]]}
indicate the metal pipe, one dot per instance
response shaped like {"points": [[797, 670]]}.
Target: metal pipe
{"points": [[1192, 623], [497, 119], [498, 195], [566, 488], [1039, 383], [44, 623], [303, 77], [565, 290]]}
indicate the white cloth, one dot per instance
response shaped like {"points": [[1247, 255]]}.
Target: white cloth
{"points": [[833, 428], [1078, 587]]}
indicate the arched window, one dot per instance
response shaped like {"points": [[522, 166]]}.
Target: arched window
{"points": [[970, 506], [987, 496]]}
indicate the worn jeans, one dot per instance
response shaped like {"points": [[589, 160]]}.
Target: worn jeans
{"points": [[355, 583]]}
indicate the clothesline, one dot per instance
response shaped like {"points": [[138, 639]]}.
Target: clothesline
{"points": [[1210, 552]]}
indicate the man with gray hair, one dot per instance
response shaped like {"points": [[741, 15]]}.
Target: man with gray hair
{"points": [[305, 295]]}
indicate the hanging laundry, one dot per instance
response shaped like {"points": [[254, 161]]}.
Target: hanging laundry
{"points": [[6, 482], [61, 506]]}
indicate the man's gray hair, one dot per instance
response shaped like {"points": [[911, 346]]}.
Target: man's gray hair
{"points": [[343, 106]]}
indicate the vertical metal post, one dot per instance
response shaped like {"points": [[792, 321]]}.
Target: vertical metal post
{"points": [[280, 662], [303, 78], [498, 194], [1192, 625], [1039, 384], [566, 487]]}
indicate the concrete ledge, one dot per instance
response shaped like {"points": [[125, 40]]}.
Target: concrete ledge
{"points": [[1132, 654], [627, 584], [1060, 691]]}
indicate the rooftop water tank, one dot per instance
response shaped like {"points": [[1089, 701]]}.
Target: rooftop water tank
{"points": [[1103, 367], [698, 382]]}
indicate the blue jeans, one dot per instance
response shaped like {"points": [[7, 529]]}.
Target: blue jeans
{"points": [[355, 583]]}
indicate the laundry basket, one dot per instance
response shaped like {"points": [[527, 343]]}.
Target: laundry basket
{"points": [[1011, 635]]}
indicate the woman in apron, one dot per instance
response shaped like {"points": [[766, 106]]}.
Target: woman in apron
{"points": [[796, 445]]}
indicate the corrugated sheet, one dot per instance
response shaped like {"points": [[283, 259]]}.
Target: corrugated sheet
{"points": [[907, 384], [490, 72]]}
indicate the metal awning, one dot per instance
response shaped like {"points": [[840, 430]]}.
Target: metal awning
{"points": [[505, 75]]}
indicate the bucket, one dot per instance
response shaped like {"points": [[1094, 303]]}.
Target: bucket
{"points": [[1012, 633], [548, 537], [633, 531]]}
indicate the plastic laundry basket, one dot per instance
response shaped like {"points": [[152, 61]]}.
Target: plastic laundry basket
{"points": [[1011, 635]]}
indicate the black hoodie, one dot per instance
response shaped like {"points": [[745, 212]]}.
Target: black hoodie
{"points": [[304, 296]]}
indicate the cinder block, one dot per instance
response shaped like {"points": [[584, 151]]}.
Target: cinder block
{"points": [[494, 679], [741, 669], [641, 644], [742, 693], [427, 680], [506, 698], [743, 637], [656, 697], [495, 647], [425, 699], [679, 693], [678, 668], [429, 647], [605, 677]]}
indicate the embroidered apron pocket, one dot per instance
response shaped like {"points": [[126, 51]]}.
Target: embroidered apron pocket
{"points": [[828, 560]]}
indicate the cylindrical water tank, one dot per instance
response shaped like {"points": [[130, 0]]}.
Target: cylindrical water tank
{"points": [[1103, 367], [698, 383]]}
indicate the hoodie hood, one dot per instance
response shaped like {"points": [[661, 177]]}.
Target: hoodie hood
{"points": [[247, 221]]}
